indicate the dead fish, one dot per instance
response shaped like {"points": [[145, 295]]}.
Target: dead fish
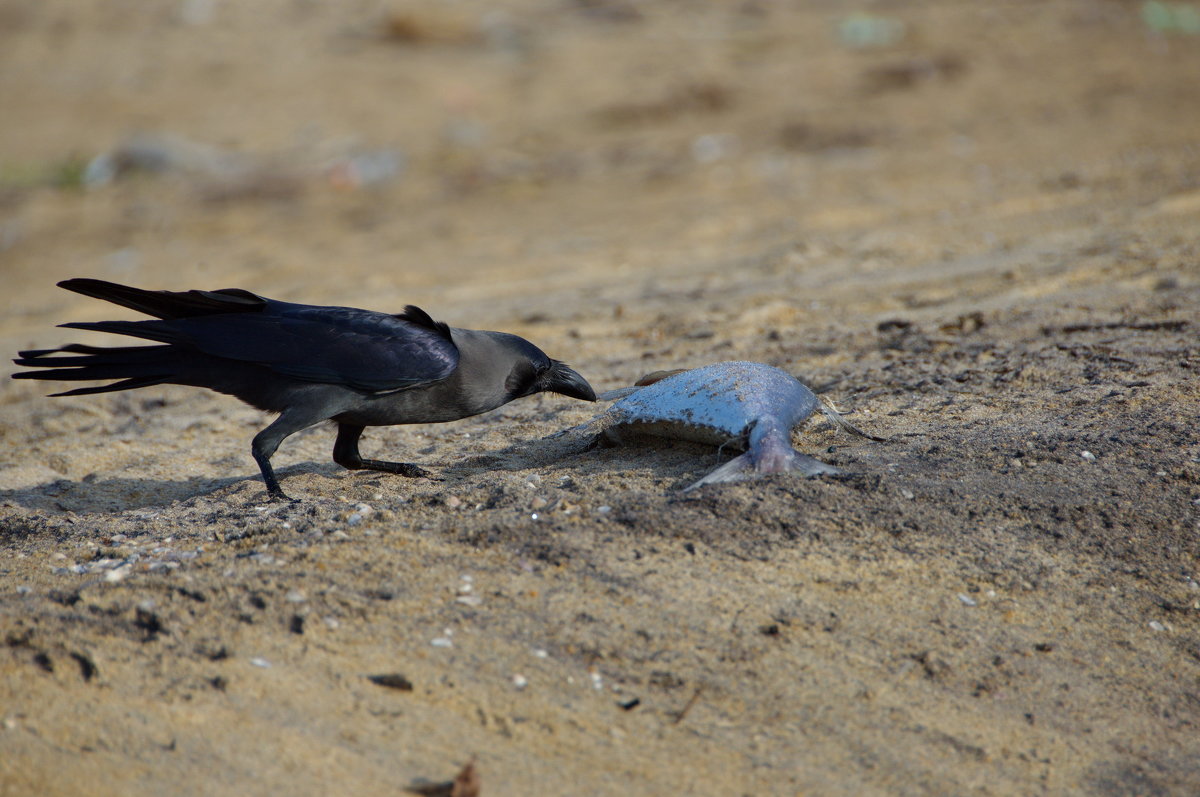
{"points": [[744, 405]]}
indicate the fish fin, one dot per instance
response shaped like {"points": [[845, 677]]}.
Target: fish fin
{"points": [[619, 393], [657, 376], [836, 418], [743, 467], [806, 465], [737, 469], [648, 379]]}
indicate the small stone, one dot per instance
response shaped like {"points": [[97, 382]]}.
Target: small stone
{"points": [[1088, 455], [453, 502], [469, 600], [538, 503], [118, 573], [1155, 625], [295, 596], [967, 600], [520, 681], [907, 494], [257, 661], [442, 642], [604, 510]]}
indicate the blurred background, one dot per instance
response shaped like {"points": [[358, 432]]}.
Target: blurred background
{"points": [[565, 163]]}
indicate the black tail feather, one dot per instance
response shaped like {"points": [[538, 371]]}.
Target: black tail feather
{"points": [[125, 384], [135, 366], [147, 330], [168, 304]]}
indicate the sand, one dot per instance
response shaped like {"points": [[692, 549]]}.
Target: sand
{"points": [[971, 226]]}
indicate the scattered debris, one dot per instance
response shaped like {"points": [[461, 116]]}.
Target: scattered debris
{"points": [[223, 174], [466, 784], [392, 680], [862, 31], [1181, 18], [683, 712], [692, 98]]}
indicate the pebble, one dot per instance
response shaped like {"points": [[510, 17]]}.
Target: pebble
{"points": [[1155, 625], [541, 654], [453, 502], [118, 573], [295, 596], [1088, 455], [712, 147], [604, 510], [442, 642], [907, 494], [260, 662], [967, 599], [520, 681]]}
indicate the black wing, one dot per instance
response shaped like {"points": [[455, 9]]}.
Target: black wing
{"points": [[361, 349]]}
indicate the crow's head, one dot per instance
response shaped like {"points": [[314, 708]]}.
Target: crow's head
{"points": [[495, 368]]}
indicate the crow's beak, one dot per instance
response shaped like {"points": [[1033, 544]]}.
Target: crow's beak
{"points": [[561, 379]]}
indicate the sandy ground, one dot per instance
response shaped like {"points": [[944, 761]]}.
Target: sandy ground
{"points": [[972, 225]]}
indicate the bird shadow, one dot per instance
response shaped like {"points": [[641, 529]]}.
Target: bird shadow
{"points": [[92, 494]]}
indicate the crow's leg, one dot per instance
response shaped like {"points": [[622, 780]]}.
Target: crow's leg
{"points": [[267, 441], [345, 453]]}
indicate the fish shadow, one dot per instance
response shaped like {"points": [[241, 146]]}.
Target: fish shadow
{"points": [[577, 453]]}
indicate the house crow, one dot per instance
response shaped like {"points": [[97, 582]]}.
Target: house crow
{"points": [[309, 364]]}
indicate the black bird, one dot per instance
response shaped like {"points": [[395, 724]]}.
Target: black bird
{"points": [[309, 364]]}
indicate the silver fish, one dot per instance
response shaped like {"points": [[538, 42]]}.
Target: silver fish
{"points": [[748, 406]]}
